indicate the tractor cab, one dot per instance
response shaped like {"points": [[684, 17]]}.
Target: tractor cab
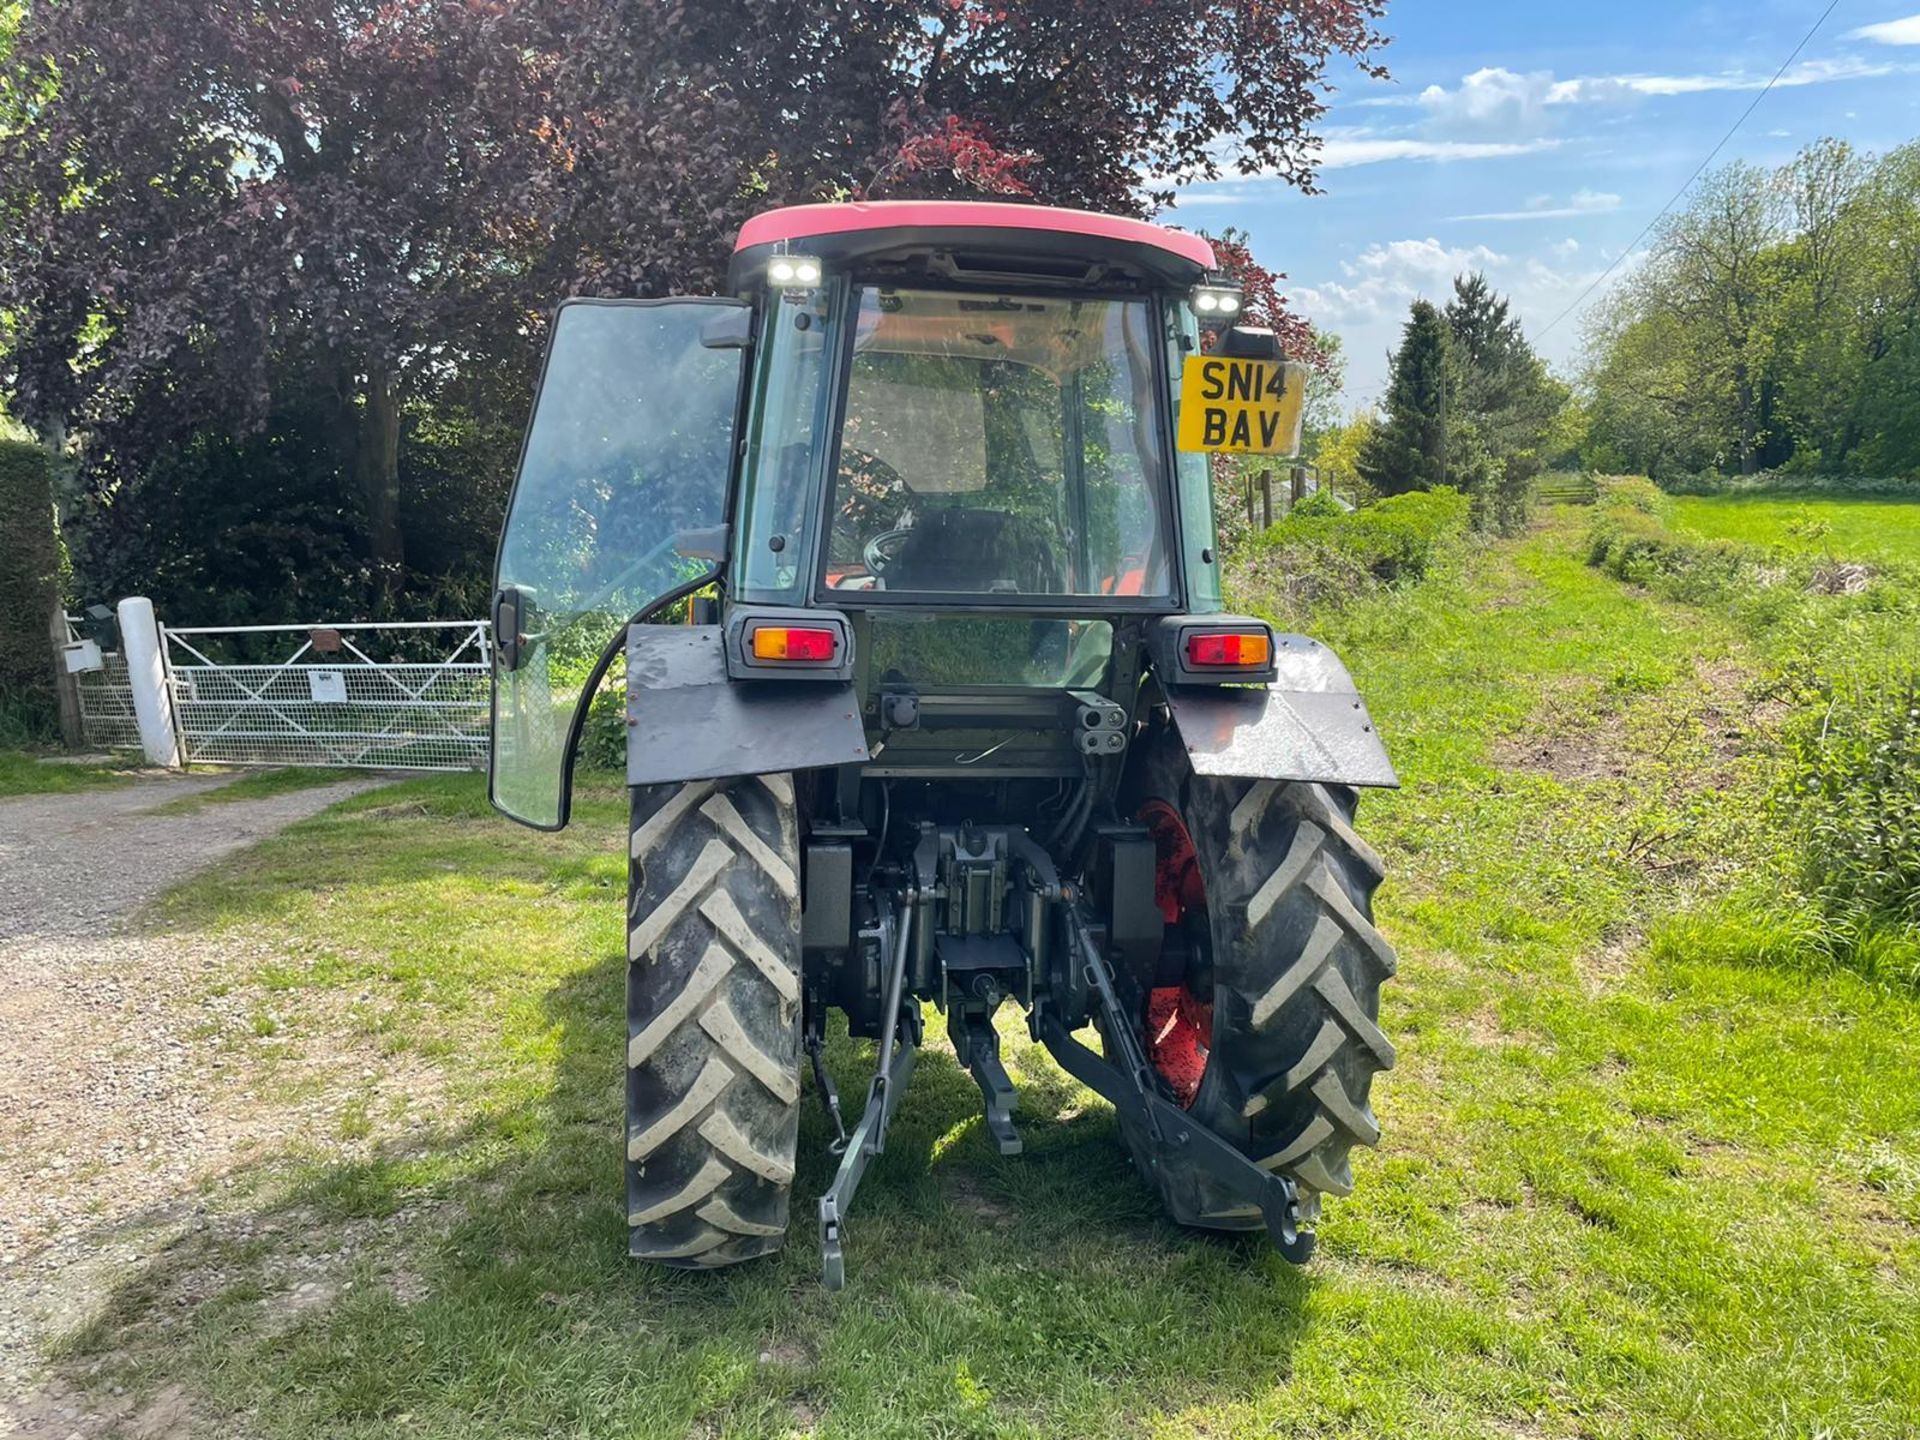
{"points": [[907, 544], [952, 425]]}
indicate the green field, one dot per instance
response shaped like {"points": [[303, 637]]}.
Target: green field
{"points": [[1848, 527], [1623, 1190]]}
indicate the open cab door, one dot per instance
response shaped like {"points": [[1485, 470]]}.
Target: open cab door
{"points": [[620, 504]]}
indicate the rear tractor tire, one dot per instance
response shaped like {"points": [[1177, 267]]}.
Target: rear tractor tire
{"points": [[1274, 1042], [713, 1019]]}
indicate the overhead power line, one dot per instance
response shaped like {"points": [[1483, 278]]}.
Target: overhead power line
{"points": [[1698, 171]]}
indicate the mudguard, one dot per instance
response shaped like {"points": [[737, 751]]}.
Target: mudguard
{"points": [[687, 721], [1308, 724]]}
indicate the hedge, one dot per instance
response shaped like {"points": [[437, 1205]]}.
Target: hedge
{"points": [[29, 589]]}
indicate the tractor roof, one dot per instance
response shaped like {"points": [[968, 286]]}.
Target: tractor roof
{"points": [[982, 241]]}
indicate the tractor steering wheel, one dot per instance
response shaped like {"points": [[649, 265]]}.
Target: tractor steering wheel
{"points": [[883, 549]]}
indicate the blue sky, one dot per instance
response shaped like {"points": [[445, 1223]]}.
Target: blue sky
{"points": [[1534, 140]]}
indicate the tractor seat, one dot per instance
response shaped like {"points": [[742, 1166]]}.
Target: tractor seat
{"points": [[957, 549]]}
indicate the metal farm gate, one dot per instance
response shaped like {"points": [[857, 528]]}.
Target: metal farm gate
{"points": [[404, 695], [107, 721]]}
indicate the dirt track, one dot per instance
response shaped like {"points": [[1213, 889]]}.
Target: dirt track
{"points": [[103, 1128]]}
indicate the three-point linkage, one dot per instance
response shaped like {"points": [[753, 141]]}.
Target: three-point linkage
{"points": [[1164, 1132]]}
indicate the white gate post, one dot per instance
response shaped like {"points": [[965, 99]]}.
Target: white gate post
{"points": [[147, 673]]}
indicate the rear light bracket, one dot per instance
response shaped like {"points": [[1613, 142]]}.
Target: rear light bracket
{"points": [[745, 621], [1169, 646]]}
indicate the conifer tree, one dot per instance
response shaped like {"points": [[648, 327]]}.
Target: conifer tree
{"points": [[1502, 407], [1408, 451]]}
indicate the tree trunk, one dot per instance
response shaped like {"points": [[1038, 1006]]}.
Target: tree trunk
{"points": [[1749, 450], [376, 466]]}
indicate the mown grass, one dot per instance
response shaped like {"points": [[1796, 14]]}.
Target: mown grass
{"points": [[1849, 527], [1622, 1192]]}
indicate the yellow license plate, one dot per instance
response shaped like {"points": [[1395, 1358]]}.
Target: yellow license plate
{"points": [[1241, 407]]}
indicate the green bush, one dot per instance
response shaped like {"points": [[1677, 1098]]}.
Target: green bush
{"points": [[603, 737], [1628, 534], [1321, 555], [29, 590], [1855, 747], [1395, 539], [1321, 503]]}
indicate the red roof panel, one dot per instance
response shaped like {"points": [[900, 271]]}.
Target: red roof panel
{"points": [[801, 222]]}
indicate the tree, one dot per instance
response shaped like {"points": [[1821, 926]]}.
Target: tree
{"points": [[1775, 323], [1408, 449], [1824, 273], [1324, 387], [1712, 271], [1887, 422], [1503, 407], [1339, 451], [214, 204], [29, 592], [215, 215]]}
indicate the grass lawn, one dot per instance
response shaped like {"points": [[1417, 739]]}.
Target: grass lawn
{"points": [[1863, 527], [23, 772], [1622, 1191]]}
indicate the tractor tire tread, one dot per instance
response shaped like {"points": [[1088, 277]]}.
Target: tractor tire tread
{"points": [[1298, 965], [713, 1020]]}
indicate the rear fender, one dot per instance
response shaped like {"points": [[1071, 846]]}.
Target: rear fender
{"points": [[687, 721], [1308, 724]]}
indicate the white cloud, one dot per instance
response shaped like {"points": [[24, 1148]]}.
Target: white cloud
{"points": [[1602, 88], [1343, 151], [1492, 100], [1541, 207], [1497, 101], [1890, 32], [1385, 278], [1383, 102]]}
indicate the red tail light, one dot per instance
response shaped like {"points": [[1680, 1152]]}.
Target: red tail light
{"points": [[793, 642], [1249, 651]]}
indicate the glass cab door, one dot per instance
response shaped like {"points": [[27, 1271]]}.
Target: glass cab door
{"points": [[620, 502]]}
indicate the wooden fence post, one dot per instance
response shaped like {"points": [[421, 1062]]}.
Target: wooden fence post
{"points": [[66, 684]]}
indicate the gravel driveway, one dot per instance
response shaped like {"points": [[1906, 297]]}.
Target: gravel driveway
{"points": [[105, 1124], [70, 865]]}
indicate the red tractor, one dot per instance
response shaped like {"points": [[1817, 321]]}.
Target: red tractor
{"points": [[956, 715]]}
